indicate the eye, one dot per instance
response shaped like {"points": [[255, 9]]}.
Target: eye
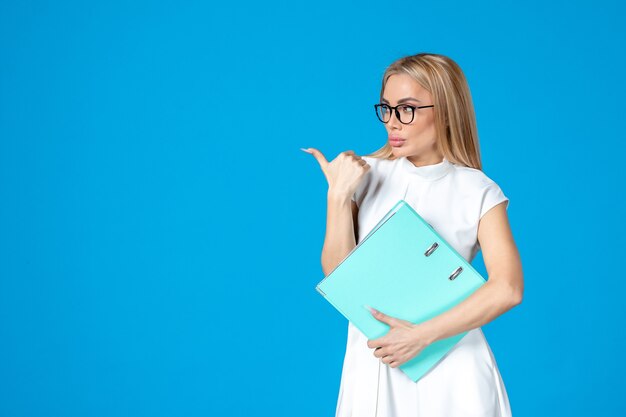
{"points": [[406, 109]]}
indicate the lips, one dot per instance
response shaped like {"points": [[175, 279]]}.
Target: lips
{"points": [[395, 141]]}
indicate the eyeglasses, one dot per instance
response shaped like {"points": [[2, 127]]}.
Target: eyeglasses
{"points": [[405, 114]]}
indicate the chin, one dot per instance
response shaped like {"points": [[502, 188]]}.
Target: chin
{"points": [[398, 151]]}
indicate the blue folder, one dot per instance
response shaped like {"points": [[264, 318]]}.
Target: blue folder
{"points": [[404, 269]]}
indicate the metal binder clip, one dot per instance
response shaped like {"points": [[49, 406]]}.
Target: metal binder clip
{"points": [[455, 273], [431, 249]]}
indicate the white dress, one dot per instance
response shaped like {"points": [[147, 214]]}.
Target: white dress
{"points": [[466, 382]]}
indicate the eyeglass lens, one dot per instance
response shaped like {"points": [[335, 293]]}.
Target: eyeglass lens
{"points": [[406, 113]]}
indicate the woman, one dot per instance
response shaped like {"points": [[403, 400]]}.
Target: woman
{"points": [[432, 161]]}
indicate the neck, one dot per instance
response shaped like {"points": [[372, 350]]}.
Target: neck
{"points": [[420, 161]]}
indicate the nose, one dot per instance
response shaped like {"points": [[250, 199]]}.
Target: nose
{"points": [[394, 121]]}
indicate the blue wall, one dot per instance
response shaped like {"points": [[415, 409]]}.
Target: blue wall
{"points": [[160, 230]]}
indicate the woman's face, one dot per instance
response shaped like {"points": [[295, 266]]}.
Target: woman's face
{"points": [[417, 140]]}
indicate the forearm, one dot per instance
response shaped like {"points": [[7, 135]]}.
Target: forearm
{"points": [[488, 302], [339, 239]]}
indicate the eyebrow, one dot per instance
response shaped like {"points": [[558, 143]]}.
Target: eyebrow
{"points": [[402, 100]]}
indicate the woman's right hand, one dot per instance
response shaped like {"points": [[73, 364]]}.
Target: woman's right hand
{"points": [[344, 173]]}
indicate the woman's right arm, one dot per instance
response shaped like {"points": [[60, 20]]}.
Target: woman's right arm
{"points": [[341, 230], [343, 174]]}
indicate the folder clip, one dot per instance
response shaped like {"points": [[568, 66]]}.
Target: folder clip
{"points": [[431, 249], [455, 273]]}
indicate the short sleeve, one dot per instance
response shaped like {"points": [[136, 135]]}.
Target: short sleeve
{"points": [[492, 195]]}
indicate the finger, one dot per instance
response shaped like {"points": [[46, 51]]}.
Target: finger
{"points": [[380, 316], [321, 159], [387, 359], [376, 343], [379, 352]]}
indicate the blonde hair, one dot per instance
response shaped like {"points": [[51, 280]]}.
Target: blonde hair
{"points": [[455, 121]]}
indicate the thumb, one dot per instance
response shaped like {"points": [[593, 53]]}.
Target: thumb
{"points": [[321, 159]]}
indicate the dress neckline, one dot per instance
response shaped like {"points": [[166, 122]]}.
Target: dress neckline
{"points": [[427, 172]]}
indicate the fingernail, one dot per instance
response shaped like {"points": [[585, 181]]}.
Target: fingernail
{"points": [[305, 150]]}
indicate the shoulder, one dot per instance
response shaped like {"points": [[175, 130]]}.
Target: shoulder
{"points": [[478, 189], [379, 166], [380, 170], [471, 178], [371, 160]]}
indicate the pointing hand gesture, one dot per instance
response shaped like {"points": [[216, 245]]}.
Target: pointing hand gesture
{"points": [[344, 173]]}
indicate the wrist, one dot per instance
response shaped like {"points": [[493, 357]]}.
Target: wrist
{"points": [[338, 196], [425, 332]]}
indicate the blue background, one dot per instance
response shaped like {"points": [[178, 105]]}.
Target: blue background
{"points": [[161, 231]]}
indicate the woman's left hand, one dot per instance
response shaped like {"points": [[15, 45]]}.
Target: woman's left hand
{"points": [[403, 341]]}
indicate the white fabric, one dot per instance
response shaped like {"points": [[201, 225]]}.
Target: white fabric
{"points": [[466, 382]]}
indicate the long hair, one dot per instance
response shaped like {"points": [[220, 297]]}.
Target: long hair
{"points": [[455, 121]]}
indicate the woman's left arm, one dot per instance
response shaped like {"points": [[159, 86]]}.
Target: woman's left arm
{"points": [[504, 287], [502, 291]]}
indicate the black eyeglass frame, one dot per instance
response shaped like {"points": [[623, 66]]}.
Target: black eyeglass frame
{"points": [[395, 109]]}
